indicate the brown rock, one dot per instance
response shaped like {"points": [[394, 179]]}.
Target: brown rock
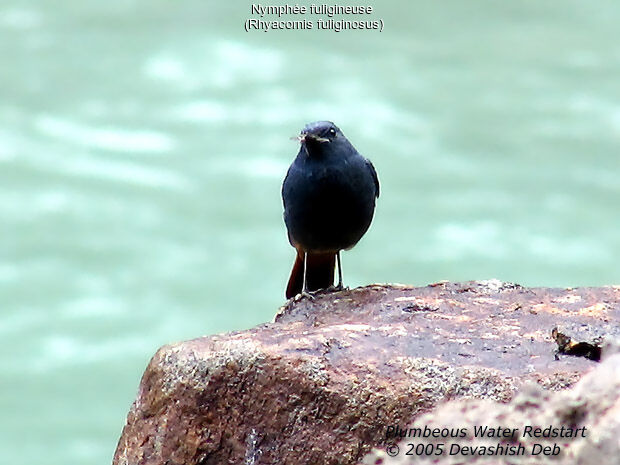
{"points": [[579, 426], [322, 382]]}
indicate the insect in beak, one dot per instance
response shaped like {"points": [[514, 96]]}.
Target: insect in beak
{"points": [[314, 137], [305, 135]]}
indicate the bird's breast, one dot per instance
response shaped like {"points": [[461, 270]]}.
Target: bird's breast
{"points": [[328, 206]]}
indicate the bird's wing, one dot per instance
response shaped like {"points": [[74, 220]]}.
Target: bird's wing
{"points": [[375, 178]]}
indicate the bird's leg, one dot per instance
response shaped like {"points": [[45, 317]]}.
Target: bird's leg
{"points": [[339, 286], [304, 287]]}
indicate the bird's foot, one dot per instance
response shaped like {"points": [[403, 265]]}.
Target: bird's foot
{"points": [[310, 295], [337, 288]]}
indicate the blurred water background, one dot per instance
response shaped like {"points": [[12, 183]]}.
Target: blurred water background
{"points": [[143, 144]]}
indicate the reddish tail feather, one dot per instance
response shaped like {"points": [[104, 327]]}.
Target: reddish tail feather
{"points": [[320, 273]]}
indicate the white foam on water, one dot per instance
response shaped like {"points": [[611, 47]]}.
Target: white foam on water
{"points": [[202, 111], [222, 64], [614, 118], [584, 59], [8, 146], [265, 168], [125, 171], [6, 152], [8, 272], [20, 18], [58, 351], [51, 201], [166, 68], [239, 61], [94, 306], [480, 239], [85, 450], [256, 167], [373, 119], [105, 138], [21, 322], [569, 250]]}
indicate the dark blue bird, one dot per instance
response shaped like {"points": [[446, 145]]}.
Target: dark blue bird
{"points": [[329, 195]]}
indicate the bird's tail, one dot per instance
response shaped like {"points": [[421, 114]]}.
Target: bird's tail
{"points": [[320, 273]]}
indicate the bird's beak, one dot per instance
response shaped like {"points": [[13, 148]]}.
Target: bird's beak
{"points": [[306, 135], [301, 138]]}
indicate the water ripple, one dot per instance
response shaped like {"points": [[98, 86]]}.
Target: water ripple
{"points": [[108, 138]]}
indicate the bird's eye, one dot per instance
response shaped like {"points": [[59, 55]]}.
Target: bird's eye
{"points": [[332, 131]]}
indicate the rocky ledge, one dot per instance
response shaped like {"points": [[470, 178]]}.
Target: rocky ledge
{"points": [[578, 426], [323, 382]]}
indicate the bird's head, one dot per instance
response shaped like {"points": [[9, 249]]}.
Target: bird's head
{"points": [[319, 132]]}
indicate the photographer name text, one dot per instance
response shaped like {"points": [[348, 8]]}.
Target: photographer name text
{"points": [[507, 440]]}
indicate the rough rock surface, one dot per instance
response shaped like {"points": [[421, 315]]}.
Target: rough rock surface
{"points": [[321, 384], [584, 419]]}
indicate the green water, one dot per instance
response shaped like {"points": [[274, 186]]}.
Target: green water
{"points": [[143, 144]]}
